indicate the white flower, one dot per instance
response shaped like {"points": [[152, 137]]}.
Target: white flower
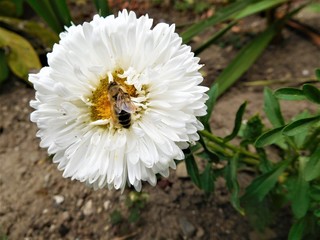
{"points": [[76, 112]]}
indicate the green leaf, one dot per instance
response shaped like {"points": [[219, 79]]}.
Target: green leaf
{"points": [[4, 70], [298, 229], [300, 200], [315, 7], [317, 72], [192, 169], [299, 126], [253, 129], [263, 184], [301, 138], [312, 93], [42, 34], [272, 108], [237, 123], [232, 183], [61, 12], [44, 10], [315, 192], [244, 59], [269, 137], [290, 94], [213, 95], [258, 7], [312, 169], [22, 58], [213, 38], [207, 179], [221, 15], [102, 7]]}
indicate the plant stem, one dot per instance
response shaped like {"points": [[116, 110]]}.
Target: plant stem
{"points": [[253, 157]]}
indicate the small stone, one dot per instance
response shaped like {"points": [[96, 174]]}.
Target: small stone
{"points": [[305, 72], [106, 205], [88, 208], [200, 233], [47, 180], [187, 228], [181, 170], [65, 216], [45, 211], [79, 202], [58, 199]]}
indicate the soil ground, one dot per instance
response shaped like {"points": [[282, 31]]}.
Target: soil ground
{"points": [[37, 203]]}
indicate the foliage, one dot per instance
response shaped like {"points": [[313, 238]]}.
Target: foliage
{"points": [[293, 179], [23, 41]]}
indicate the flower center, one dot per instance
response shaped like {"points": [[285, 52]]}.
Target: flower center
{"points": [[104, 98]]}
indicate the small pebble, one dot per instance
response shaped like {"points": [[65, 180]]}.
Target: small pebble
{"points": [[88, 208], [187, 227], [106, 205], [58, 199]]}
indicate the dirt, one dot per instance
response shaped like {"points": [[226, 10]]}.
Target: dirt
{"points": [[37, 203]]}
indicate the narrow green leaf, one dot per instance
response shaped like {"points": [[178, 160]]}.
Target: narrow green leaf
{"points": [[4, 70], [237, 123], [312, 169], [299, 126], [298, 229], [300, 138], [244, 59], [102, 7], [258, 7], [22, 58], [192, 169], [317, 72], [312, 93], [44, 10], [207, 179], [315, 192], [290, 94], [61, 11], [301, 199], [213, 38], [263, 184], [213, 95], [19, 7], [269, 137], [221, 15], [272, 108], [232, 183], [249, 54]]}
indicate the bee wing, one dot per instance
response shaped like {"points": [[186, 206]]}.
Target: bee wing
{"points": [[124, 103]]}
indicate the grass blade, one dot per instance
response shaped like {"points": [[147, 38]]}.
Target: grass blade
{"points": [[213, 38], [43, 9], [245, 58], [221, 15], [102, 7], [62, 12], [258, 7]]}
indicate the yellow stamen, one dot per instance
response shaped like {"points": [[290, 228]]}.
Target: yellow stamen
{"points": [[102, 108]]}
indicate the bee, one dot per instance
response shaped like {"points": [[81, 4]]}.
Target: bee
{"points": [[121, 105]]}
